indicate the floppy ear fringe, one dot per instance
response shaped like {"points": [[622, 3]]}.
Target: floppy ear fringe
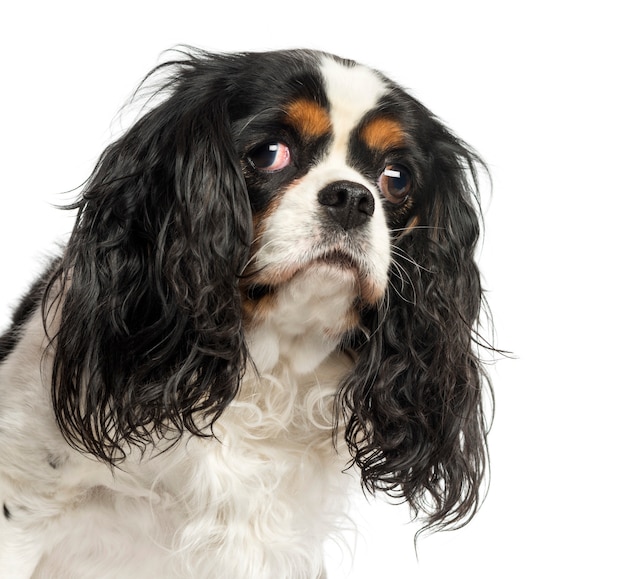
{"points": [[414, 406], [148, 338]]}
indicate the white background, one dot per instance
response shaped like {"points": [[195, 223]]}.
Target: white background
{"points": [[538, 89]]}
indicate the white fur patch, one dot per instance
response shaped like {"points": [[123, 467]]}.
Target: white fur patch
{"points": [[300, 329], [352, 92]]}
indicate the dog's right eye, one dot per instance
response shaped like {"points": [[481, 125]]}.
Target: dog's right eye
{"points": [[270, 157]]}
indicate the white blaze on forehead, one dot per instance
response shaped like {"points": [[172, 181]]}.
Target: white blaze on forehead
{"points": [[352, 91]]}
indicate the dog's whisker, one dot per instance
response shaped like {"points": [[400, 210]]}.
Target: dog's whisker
{"points": [[414, 227]]}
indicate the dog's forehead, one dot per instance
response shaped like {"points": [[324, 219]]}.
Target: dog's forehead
{"points": [[351, 94], [352, 91]]}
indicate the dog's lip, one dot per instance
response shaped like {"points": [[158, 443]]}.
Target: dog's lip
{"points": [[339, 258], [268, 281]]}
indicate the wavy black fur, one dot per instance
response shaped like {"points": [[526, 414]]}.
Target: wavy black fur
{"points": [[150, 276], [150, 280], [414, 404]]}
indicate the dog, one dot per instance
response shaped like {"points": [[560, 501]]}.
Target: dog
{"points": [[269, 296]]}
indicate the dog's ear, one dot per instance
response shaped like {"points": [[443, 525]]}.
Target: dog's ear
{"points": [[415, 420], [150, 339]]}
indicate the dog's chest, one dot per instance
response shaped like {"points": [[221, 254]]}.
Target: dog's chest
{"points": [[260, 497], [272, 483]]}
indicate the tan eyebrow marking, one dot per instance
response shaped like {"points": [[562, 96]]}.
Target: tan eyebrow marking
{"points": [[308, 118], [383, 134]]}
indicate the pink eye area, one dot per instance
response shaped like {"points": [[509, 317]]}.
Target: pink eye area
{"points": [[270, 157]]}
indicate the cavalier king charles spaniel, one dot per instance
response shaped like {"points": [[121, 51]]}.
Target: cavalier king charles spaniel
{"points": [[270, 288]]}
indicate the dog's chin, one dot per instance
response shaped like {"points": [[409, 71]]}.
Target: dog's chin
{"points": [[303, 318], [294, 293], [334, 275]]}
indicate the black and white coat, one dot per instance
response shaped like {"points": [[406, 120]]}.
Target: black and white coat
{"points": [[270, 280]]}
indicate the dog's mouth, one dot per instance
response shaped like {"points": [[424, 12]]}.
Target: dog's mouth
{"points": [[347, 270]]}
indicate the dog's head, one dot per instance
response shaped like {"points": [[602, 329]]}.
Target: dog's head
{"points": [[275, 207]]}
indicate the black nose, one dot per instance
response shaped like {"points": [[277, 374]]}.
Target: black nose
{"points": [[349, 204]]}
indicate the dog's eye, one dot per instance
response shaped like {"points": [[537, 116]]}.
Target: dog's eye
{"points": [[395, 183], [270, 157]]}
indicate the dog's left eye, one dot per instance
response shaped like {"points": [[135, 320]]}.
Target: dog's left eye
{"points": [[270, 157], [395, 182]]}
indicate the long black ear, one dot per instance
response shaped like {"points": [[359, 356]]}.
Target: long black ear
{"points": [[150, 340], [415, 420]]}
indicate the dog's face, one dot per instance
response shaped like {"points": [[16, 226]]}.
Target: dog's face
{"points": [[333, 173]]}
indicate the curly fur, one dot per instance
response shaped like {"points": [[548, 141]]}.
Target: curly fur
{"points": [[157, 394]]}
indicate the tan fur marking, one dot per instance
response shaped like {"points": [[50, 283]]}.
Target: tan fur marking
{"points": [[383, 134], [308, 118], [414, 222]]}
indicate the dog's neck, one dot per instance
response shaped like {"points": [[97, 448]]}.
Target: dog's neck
{"points": [[310, 315]]}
